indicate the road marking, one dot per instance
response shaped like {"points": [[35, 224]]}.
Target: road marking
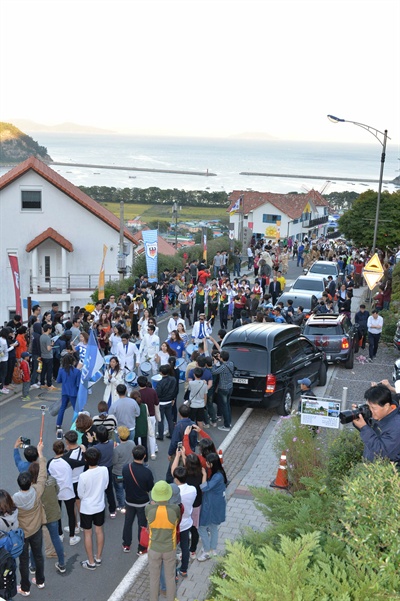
{"points": [[18, 422]]}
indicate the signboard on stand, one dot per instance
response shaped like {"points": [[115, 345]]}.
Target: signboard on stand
{"points": [[320, 413]]}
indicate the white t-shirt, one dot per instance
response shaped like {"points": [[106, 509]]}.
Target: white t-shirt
{"points": [[62, 472], [188, 496], [91, 487]]}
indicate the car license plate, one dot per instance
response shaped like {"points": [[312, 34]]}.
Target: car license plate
{"points": [[240, 381]]}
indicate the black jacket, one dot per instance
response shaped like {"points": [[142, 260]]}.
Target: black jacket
{"points": [[137, 493], [167, 389]]}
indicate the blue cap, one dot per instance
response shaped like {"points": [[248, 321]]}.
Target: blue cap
{"points": [[305, 381]]}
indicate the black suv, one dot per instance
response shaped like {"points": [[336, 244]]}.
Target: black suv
{"points": [[269, 360], [335, 335]]}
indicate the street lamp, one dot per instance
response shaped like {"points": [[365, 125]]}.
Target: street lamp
{"points": [[376, 133]]}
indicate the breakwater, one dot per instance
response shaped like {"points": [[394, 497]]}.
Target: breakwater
{"points": [[323, 177], [123, 168]]}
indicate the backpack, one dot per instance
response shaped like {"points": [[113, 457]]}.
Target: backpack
{"points": [[8, 579], [18, 375], [12, 541]]}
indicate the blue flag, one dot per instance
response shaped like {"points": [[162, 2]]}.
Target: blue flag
{"points": [[90, 374], [150, 240]]}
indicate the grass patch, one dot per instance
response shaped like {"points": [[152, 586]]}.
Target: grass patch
{"points": [[163, 212]]}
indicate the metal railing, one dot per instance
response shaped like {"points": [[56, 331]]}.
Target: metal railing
{"points": [[315, 222], [46, 285]]}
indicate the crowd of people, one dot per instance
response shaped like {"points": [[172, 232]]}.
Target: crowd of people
{"points": [[104, 459]]}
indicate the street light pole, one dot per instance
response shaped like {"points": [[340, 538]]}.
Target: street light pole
{"points": [[376, 133]]}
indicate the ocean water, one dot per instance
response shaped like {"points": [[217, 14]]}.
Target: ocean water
{"points": [[225, 157]]}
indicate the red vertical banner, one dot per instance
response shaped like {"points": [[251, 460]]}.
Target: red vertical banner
{"points": [[15, 274]]}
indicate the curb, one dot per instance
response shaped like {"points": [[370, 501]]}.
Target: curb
{"points": [[138, 567]]}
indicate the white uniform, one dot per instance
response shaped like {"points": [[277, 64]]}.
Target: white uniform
{"points": [[127, 355], [173, 324], [149, 347]]}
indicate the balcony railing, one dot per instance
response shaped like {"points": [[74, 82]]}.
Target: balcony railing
{"points": [[315, 222], [70, 283]]}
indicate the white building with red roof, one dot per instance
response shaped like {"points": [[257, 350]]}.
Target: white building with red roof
{"points": [[57, 232], [277, 216]]}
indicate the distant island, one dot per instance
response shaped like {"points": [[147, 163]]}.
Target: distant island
{"points": [[62, 128], [15, 146]]}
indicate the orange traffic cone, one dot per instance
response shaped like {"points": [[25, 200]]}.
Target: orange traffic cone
{"points": [[281, 480]]}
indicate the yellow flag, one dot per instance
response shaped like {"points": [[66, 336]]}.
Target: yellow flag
{"points": [[102, 274]]}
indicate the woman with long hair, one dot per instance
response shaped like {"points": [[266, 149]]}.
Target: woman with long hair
{"points": [[164, 354], [8, 512], [57, 324], [113, 376], [182, 333], [69, 377], [115, 338], [213, 506], [143, 323], [81, 347], [176, 344], [84, 427]]}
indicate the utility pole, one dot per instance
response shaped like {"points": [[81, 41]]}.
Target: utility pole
{"points": [[175, 214], [121, 264]]}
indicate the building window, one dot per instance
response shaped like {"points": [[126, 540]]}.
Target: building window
{"points": [[47, 268], [271, 218], [31, 200]]}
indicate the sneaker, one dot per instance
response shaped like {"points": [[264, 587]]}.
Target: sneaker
{"points": [[224, 429], [32, 570], [97, 560], [153, 457], [182, 574], [6, 391], [113, 515], [192, 554], [23, 593], [35, 385], [59, 568], [26, 398], [206, 425], [123, 510], [51, 388], [88, 566], [203, 556], [214, 424], [179, 556], [38, 585], [213, 553], [126, 548], [139, 553], [77, 529], [219, 418], [61, 537], [74, 540]]}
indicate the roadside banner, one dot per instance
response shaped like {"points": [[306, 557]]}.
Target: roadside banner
{"points": [[150, 241], [90, 374], [16, 279], [204, 236], [102, 274]]}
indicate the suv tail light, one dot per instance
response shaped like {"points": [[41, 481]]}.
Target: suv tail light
{"points": [[270, 384], [345, 344]]}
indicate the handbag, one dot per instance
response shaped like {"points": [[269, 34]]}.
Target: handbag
{"points": [[150, 429], [144, 537]]}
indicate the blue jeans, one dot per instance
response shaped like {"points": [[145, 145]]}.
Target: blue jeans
{"points": [[209, 537], [300, 259], [52, 527], [225, 399], [119, 490]]}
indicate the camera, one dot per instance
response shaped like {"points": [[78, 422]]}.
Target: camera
{"points": [[179, 446], [346, 417], [25, 442]]}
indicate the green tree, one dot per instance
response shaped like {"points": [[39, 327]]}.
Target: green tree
{"points": [[358, 223]]}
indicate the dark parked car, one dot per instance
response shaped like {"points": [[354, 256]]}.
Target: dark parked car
{"points": [[396, 370], [335, 335], [269, 359]]}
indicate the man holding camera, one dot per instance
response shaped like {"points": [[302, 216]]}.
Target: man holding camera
{"points": [[381, 435]]}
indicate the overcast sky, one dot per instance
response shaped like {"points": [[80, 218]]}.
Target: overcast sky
{"points": [[208, 68]]}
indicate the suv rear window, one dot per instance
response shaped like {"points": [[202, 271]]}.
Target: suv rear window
{"points": [[322, 329], [324, 269], [248, 358], [308, 284]]}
